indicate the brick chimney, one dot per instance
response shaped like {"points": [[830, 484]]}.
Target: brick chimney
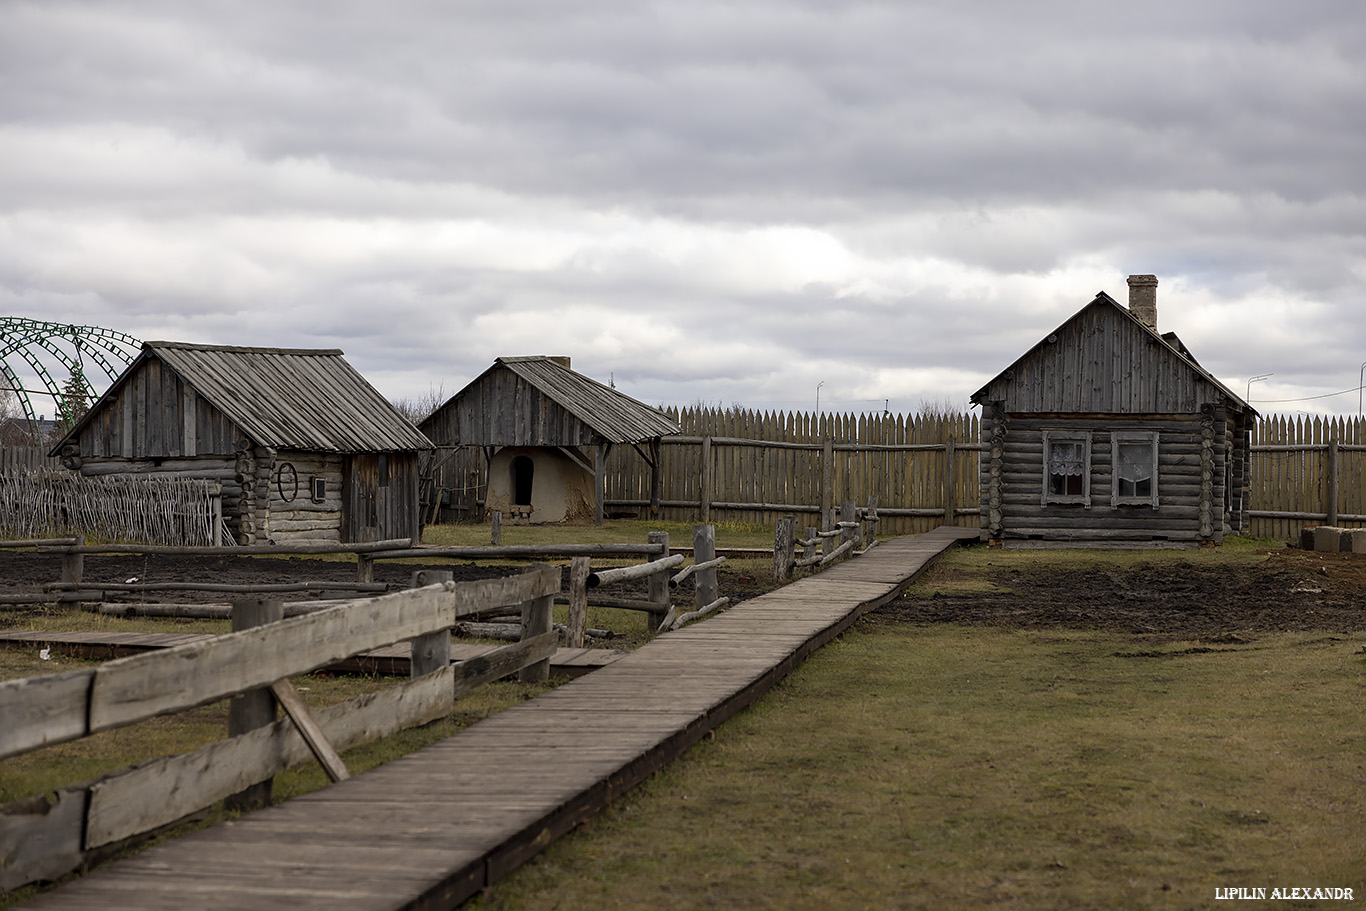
{"points": [[1143, 299]]}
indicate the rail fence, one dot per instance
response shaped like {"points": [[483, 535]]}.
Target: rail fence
{"points": [[51, 834]]}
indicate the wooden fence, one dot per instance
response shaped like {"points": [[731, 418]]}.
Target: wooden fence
{"points": [[50, 834], [149, 510], [743, 466], [1307, 471], [26, 458]]}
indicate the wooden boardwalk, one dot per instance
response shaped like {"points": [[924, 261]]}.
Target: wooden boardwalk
{"points": [[435, 827]]}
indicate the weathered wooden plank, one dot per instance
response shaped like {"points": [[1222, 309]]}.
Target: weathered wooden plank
{"points": [[40, 837], [43, 710], [141, 686], [313, 735], [169, 789]]}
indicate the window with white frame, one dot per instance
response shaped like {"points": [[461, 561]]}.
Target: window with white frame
{"points": [[1134, 455], [1066, 467]]}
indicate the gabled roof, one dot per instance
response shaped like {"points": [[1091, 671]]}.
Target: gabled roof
{"points": [[309, 399], [613, 416], [1168, 343]]}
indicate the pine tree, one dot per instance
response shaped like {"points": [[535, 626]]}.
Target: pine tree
{"points": [[73, 404]]}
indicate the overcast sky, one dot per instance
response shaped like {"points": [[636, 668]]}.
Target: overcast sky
{"points": [[729, 203]]}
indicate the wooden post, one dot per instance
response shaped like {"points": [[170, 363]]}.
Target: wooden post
{"points": [[703, 550], [578, 600], [1331, 479], [849, 515], [827, 477], [658, 584], [496, 529], [432, 651], [829, 522], [73, 565], [809, 551], [950, 483], [537, 619], [656, 477], [254, 708], [705, 486], [216, 516], [870, 516], [784, 543], [365, 568], [599, 483]]}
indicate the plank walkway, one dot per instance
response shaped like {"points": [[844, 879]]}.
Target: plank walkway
{"points": [[393, 659], [435, 827]]}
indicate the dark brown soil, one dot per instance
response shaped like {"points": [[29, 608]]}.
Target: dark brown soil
{"points": [[1291, 590]]}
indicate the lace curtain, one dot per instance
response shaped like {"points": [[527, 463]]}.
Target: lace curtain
{"points": [[1065, 459], [1135, 462]]}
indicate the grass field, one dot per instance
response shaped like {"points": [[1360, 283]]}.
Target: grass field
{"points": [[951, 767]]}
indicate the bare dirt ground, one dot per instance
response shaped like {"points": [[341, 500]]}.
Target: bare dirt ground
{"points": [[1291, 590]]}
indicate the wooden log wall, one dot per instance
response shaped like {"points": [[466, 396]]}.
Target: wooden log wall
{"points": [[1190, 482], [295, 516]]}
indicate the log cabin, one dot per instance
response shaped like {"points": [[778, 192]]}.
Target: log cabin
{"points": [[1108, 432], [545, 432], [305, 449]]}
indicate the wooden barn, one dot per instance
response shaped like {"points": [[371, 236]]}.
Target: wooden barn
{"points": [[1107, 432], [305, 448], [545, 432]]}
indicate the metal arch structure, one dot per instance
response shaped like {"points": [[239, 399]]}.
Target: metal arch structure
{"points": [[38, 343]]}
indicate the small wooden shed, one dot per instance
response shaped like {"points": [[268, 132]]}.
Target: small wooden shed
{"points": [[306, 450], [1108, 432], [546, 432]]}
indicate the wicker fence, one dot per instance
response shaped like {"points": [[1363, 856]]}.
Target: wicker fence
{"points": [[171, 511]]}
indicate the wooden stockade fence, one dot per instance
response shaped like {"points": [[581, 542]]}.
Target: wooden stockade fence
{"points": [[48, 835], [14, 459], [1307, 472], [750, 467], [150, 510]]}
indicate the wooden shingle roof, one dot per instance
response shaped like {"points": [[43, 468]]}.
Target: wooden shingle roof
{"points": [[539, 401], [309, 399], [615, 416]]}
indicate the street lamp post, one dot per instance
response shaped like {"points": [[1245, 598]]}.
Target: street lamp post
{"points": [[818, 396], [1248, 396], [1361, 381]]}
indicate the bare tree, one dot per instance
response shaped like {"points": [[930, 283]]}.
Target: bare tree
{"points": [[418, 408]]}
